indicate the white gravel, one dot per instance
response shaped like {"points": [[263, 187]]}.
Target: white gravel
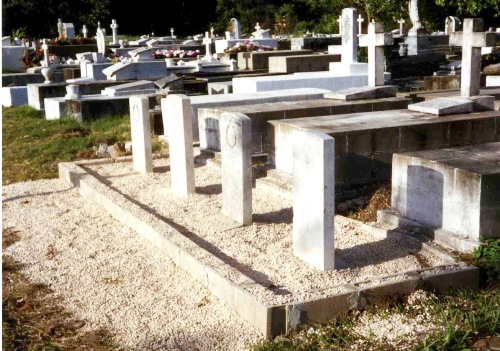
{"points": [[110, 278]]}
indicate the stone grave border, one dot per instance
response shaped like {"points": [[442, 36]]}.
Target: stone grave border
{"points": [[271, 320]]}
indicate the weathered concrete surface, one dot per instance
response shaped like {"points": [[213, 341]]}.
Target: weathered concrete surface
{"points": [[260, 114], [455, 189], [428, 95], [260, 59], [363, 93], [301, 63], [443, 106], [365, 143]]}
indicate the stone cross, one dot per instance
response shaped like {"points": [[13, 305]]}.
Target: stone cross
{"points": [[208, 42], [45, 47], [172, 32], [85, 31], [211, 32], [257, 27], [142, 156], [114, 28], [472, 39], [60, 27], [339, 20], [401, 26], [360, 21], [375, 40], [349, 36]]}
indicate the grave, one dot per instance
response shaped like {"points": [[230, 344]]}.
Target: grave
{"points": [[150, 70], [234, 37], [141, 87], [301, 63], [256, 60], [68, 30], [314, 43], [460, 188]]}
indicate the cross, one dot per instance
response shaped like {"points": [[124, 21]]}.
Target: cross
{"points": [[360, 20], [257, 27], [208, 42], [98, 24], [172, 32], [113, 24], [401, 26], [471, 39], [45, 47], [339, 20], [114, 28], [375, 40], [211, 32], [84, 31]]}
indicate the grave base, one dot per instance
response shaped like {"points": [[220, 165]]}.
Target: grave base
{"points": [[14, 96]]}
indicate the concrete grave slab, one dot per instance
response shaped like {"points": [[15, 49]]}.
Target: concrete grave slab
{"points": [[353, 94], [133, 88], [443, 106]]}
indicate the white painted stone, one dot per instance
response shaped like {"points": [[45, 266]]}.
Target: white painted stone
{"points": [[401, 26], [360, 22], [85, 31], [101, 41], [236, 167], [114, 28], [375, 40], [314, 198], [349, 35], [45, 47], [14, 96], [54, 108], [141, 134], [443, 106], [178, 123], [141, 87]]}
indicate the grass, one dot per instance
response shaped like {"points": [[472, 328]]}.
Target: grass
{"points": [[32, 319], [33, 146], [467, 319]]}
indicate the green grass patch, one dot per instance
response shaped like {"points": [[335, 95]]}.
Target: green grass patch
{"points": [[33, 146]]}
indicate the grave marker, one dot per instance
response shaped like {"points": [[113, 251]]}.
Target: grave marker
{"points": [[101, 42], [339, 20], [84, 31], [208, 43], [142, 157], [45, 47], [349, 35], [114, 28], [375, 40], [401, 26], [360, 21]]}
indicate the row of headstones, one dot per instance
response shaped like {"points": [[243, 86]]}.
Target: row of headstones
{"points": [[68, 30], [314, 156]]}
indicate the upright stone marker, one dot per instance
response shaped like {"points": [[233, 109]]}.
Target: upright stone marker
{"points": [[236, 28], [360, 22], [85, 31], [472, 39], [208, 51], [339, 21], [101, 42], [179, 124], [141, 134], [375, 40], [349, 36], [236, 159], [401, 26], [45, 47], [114, 28], [314, 198]]}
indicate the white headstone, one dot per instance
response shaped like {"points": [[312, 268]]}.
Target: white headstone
{"points": [[360, 21], [236, 28], [452, 24], [208, 43], [178, 126], [349, 36], [313, 191], [236, 167], [101, 42], [375, 40], [472, 39], [402, 26], [114, 28], [85, 31], [414, 17], [142, 156], [339, 20], [211, 32]]}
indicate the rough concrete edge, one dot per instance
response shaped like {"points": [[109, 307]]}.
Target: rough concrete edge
{"points": [[109, 160], [232, 295]]}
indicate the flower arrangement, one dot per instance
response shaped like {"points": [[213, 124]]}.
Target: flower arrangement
{"points": [[248, 46], [62, 40], [161, 54], [116, 57]]}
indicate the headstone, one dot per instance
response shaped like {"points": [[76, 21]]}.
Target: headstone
{"points": [[142, 157], [172, 32], [101, 42], [472, 39], [208, 43], [452, 24], [261, 33], [179, 127], [349, 36], [339, 20], [211, 32], [114, 28], [60, 27], [375, 40], [313, 191], [84, 31], [415, 18], [236, 167], [360, 21], [236, 28], [45, 47], [68, 30], [401, 26], [98, 24]]}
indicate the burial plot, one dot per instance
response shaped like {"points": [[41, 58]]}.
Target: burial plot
{"points": [[301, 63], [454, 193], [256, 60]]}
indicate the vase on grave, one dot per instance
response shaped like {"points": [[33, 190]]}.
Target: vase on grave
{"points": [[47, 74]]}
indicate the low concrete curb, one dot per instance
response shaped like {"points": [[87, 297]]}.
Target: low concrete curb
{"points": [[208, 269]]}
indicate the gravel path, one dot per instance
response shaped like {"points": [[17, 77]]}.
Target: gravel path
{"points": [[112, 279]]}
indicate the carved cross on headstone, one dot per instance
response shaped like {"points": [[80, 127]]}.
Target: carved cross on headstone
{"points": [[114, 28], [85, 31], [172, 32], [208, 42], [360, 21], [472, 39], [339, 20], [257, 27], [45, 47], [375, 40], [401, 26]]}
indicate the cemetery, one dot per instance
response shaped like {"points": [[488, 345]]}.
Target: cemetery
{"points": [[245, 193]]}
